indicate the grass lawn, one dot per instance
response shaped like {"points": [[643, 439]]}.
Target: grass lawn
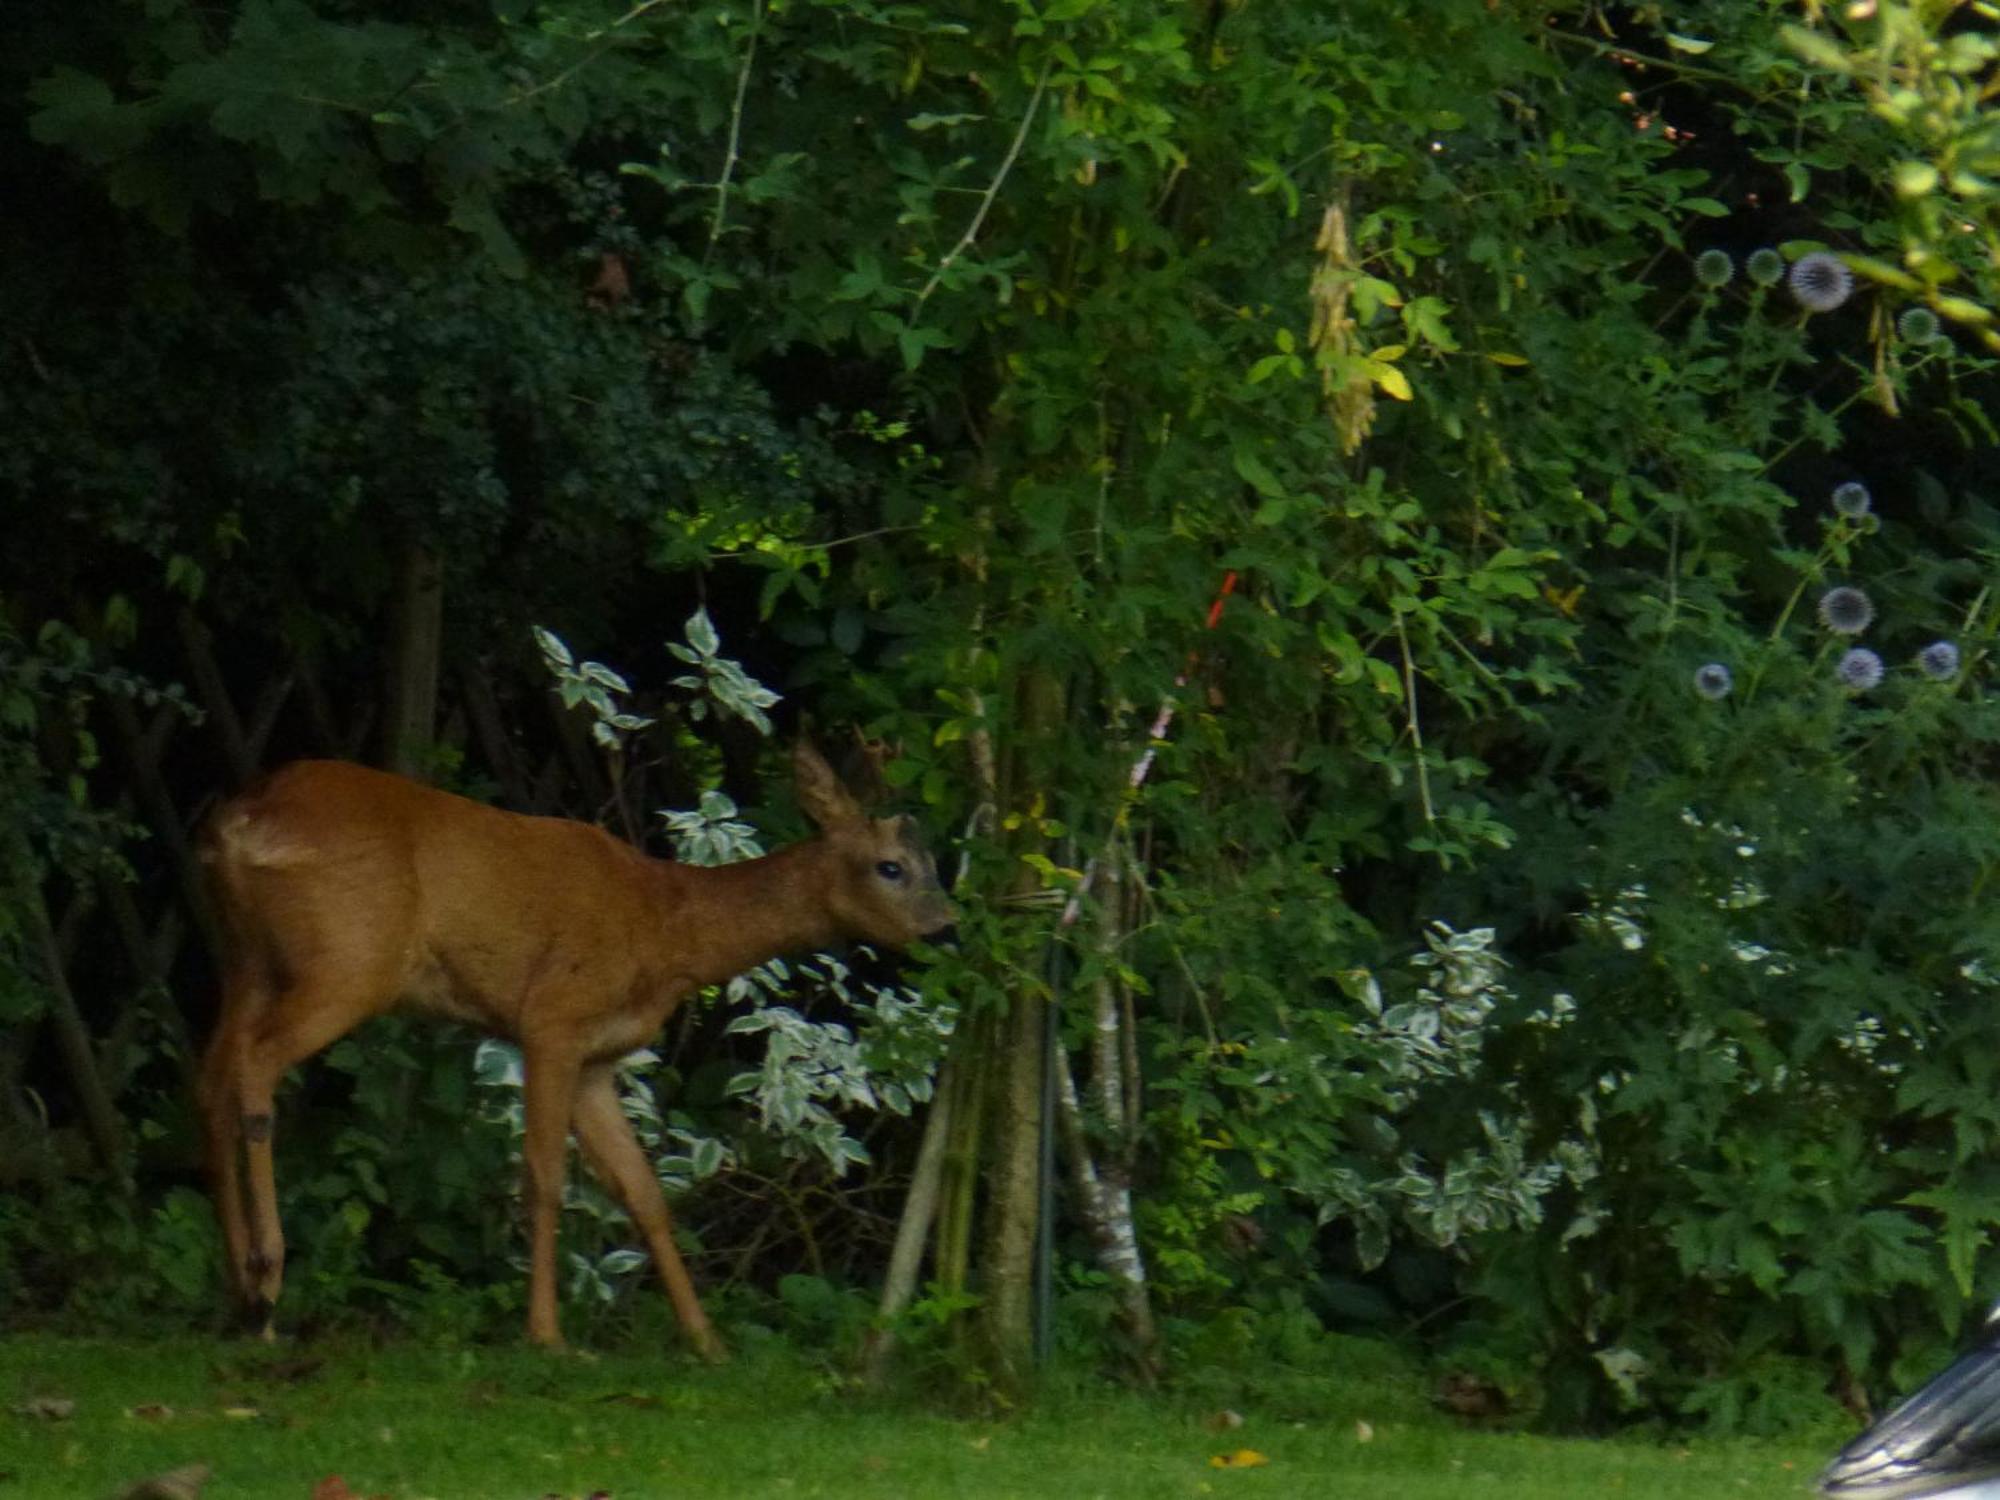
{"points": [[514, 1424]]}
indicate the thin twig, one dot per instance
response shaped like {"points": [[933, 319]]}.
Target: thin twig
{"points": [[589, 57], [1617, 50], [992, 190], [735, 130], [1416, 729], [828, 546]]}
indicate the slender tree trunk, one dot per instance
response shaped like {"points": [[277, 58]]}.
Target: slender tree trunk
{"points": [[960, 1167], [100, 1117], [196, 644], [482, 707], [416, 647], [899, 1285], [143, 748], [1007, 1273], [1102, 1181], [1104, 1202]]}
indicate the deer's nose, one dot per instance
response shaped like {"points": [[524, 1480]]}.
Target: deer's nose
{"points": [[943, 937]]}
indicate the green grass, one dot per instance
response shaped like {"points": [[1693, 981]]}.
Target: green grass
{"points": [[496, 1424]]}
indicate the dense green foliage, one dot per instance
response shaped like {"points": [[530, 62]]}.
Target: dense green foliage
{"points": [[1496, 980]]}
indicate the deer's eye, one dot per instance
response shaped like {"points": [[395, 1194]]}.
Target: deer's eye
{"points": [[889, 870]]}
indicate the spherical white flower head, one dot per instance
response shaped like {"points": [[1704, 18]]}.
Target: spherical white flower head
{"points": [[1859, 670], [1846, 611], [1939, 661], [1821, 281], [1713, 680]]}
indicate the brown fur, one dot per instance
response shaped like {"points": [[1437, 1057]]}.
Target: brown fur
{"points": [[345, 892]]}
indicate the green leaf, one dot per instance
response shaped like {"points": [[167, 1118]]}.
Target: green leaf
{"points": [[1914, 179], [1270, 364], [1817, 49], [75, 109], [701, 633], [1251, 470]]}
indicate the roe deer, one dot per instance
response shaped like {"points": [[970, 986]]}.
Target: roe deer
{"points": [[344, 891]]}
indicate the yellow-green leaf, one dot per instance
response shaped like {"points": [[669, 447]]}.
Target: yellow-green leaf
{"points": [[1962, 310], [1393, 381], [1915, 178]]}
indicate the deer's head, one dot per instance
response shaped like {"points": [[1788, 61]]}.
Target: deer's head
{"points": [[885, 889]]}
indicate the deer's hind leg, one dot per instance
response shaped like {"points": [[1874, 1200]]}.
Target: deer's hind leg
{"points": [[295, 1022], [216, 1095], [617, 1160]]}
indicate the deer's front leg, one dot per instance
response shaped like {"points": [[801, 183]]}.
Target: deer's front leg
{"points": [[549, 1077]]}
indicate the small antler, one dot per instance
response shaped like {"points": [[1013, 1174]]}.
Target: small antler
{"points": [[863, 768]]}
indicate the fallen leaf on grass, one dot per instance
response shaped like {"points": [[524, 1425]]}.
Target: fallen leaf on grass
{"points": [[47, 1409], [1363, 1432], [1468, 1395], [1242, 1458], [333, 1487], [150, 1411], [241, 1413], [183, 1483], [290, 1371], [1222, 1421]]}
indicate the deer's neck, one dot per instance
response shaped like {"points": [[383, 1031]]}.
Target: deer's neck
{"points": [[733, 917]]}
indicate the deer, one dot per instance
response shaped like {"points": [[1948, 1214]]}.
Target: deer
{"points": [[344, 892]]}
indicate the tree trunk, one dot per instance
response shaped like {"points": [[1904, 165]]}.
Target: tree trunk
{"points": [[100, 1117], [1007, 1277], [416, 646], [899, 1285], [1007, 1273], [1105, 1204], [960, 1167]]}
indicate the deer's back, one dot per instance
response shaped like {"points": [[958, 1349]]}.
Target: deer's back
{"points": [[329, 868]]}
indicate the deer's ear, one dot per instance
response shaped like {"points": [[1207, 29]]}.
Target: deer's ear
{"points": [[821, 794]]}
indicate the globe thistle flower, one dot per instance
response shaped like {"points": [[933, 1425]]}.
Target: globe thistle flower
{"points": [[1713, 680], [1821, 281], [1939, 661], [1851, 499], [1918, 325], [1713, 269], [1766, 267], [1845, 610], [1859, 670]]}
